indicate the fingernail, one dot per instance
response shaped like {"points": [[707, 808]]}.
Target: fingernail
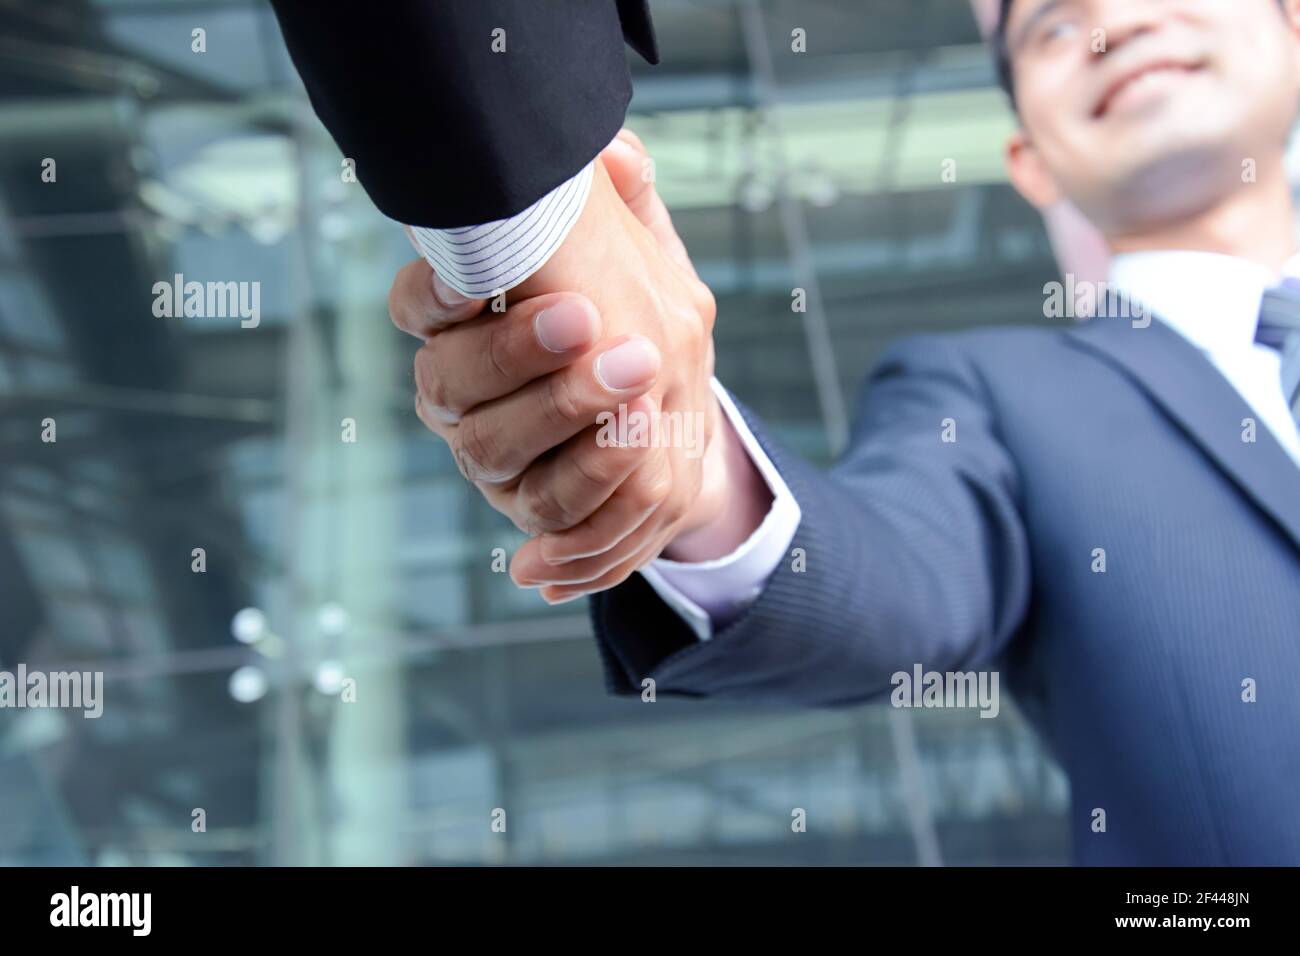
{"points": [[564, 600], [564, 326], [633, 363], [620, 145], [445, 294]]}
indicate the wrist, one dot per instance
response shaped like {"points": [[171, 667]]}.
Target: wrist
{"points": [[589, 253], [733, 501]]}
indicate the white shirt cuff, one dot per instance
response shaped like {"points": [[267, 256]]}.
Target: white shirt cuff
{"points": [[485, 260], [712, 594]]}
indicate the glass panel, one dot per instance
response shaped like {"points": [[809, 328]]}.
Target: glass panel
{"points": [[287, 585]]}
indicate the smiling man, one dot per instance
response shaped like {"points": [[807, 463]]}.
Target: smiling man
{"points": [[1107, 514], [1164, 122]]}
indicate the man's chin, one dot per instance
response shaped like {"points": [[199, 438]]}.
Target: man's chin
{"points": [[1176, 186], [1159, 185]]}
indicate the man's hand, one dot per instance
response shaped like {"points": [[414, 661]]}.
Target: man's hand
{"points": [[517, 395]]}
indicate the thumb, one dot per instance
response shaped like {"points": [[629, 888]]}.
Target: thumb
{"points": [[632, 172]]}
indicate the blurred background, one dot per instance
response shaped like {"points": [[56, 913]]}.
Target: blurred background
{"points": [[365, 569]]}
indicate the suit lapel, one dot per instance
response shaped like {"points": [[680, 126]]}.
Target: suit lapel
{"points": [[1192, 392]]}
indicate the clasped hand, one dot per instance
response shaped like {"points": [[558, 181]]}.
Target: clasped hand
{"points": [[616, 323]]}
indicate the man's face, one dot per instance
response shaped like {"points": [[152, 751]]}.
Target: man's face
{"points": [[1144, 111]]}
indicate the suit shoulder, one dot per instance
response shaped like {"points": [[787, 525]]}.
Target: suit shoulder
{"points": [[985, 348]]}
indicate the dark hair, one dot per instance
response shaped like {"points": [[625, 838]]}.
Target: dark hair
{"points": [[1001, 55]]}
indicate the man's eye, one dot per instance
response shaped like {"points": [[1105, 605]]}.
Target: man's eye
{"points": [[1055, 31]]}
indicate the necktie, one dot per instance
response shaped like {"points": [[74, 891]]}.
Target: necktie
{"points": [[1279, 328]]}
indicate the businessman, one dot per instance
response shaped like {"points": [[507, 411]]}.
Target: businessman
{"points": [[1110, 515]]}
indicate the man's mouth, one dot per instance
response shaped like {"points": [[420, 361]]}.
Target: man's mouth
{"points": [[1147, 76]]}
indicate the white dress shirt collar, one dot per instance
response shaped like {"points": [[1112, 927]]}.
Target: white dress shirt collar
{"points": [[1212, 300]]}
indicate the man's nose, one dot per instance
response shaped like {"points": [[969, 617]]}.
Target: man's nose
{"points": [[1122, 21]]}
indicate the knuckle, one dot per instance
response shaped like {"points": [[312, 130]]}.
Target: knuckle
{"points": [[673, 510], [499, 359], [400, 311], [427, 382], [596, 468], [478, 455], [399, 300], [689, 324], [544, 512], [707, 306], [395, 305], [559, 401], [431, 421], [431, 384], [650, 490]]}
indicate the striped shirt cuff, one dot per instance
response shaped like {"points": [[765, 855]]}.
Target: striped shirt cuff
{"points": [[485, 260]]}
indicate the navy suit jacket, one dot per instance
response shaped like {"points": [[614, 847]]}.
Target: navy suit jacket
{"points": [[979, 554]]}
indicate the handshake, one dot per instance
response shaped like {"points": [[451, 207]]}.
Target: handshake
{"points": [[555, 409]]}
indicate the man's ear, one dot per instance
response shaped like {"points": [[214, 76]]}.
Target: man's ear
{"points": [[1028, 174]]}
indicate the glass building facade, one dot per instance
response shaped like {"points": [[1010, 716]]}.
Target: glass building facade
{"points": [[387, 695]]}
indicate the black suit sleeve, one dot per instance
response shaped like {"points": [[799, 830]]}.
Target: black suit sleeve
{"points": [[447, 130]]}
